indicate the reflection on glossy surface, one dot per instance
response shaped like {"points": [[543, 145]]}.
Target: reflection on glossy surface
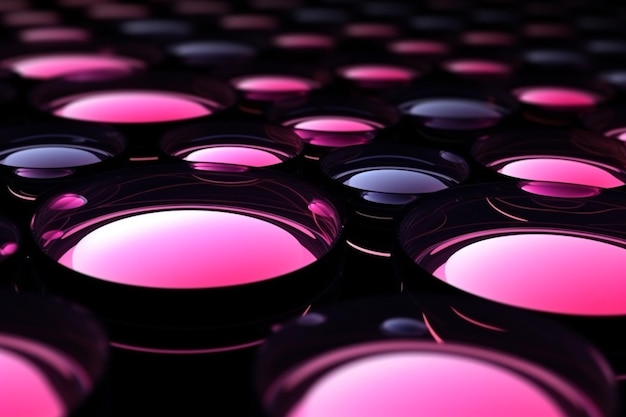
{"points": [[51, 156], [477, 67], [45, 66], [557, 96], [132, 106], [454, 113], [219, 229], [546, 247], [396, 180], [242, 155], [544, 271], [404, 384], [567, 170], [37, 380], [377, 72], [334, 130], [187, 249]]}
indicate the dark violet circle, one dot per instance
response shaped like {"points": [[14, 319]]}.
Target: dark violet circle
{"points": [[212, 52], [211, 233], [550, 249], [397, 357], [454, 113], [154, 98], [44, 373], [575, 157], [52, 150], [391, 174], [241, 143]]}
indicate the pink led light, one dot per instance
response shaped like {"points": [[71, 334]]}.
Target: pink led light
{"points": [[542, 271], [49, 65], [133, 106], [25, 390], [554, 96], [235, 155], [477, 66], [333, 124], [187, 249], [274, 83], [561, 170], [376, 72], [410, 384]]}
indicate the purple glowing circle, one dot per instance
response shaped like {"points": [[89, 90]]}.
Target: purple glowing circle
{"points": [[377, 72], [275, 83], [50, 65], [560, 190], [477, 67], [418, 46], [548, 272], [304, 41], [394, 180], [67, 202], [558, 97], [25, 390], [186, 249], [241, 155], [556, 169], [454, 113], [409, 384], [49, 156], [133, 106]]}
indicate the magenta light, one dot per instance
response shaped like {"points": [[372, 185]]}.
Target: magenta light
{"points": [[424, 384], [551, 272], [187, 249], [132, 106], [50, 65]]}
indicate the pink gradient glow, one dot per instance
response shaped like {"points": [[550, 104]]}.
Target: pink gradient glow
{"points": [[50, 65], [235, 155], [554, 96], [619, 134], [304, 40], [487, 38], [377, 72], [541, 271], [424, 384], [31, 18], [25, 391], [54, 34], [477, 66], [133, 106], [187, 249], [560, 189], [117, 11], [333, 124], [561, 170], [274, 83], [418, 46], [67, 202], [249, 22]]}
